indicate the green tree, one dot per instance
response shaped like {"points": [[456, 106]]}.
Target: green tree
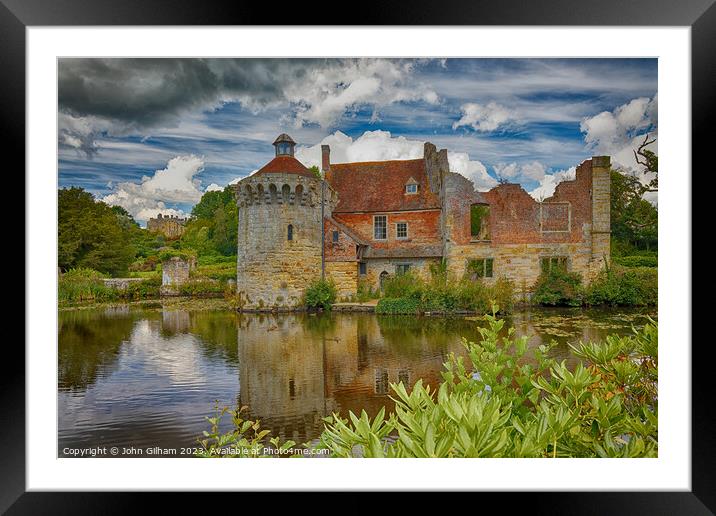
{"points": [[213, 224], [634, 220], [92, 234]]}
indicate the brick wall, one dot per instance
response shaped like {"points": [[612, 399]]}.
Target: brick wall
{"points": [[423, 228]]}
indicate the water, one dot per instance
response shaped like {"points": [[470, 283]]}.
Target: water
{"points": [[138, 377]]}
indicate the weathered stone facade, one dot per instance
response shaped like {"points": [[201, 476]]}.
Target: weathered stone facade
{"points": [[175, 272], [171, 226], [383, 218]]}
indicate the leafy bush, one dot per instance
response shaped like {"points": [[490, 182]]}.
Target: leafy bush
{"points": [[85, 285], [321, 293], [501, 405], [217, 271], [397, 306], [365, 292], [402, 285], [558, 287], [624, 286], [637, 261], [202, 287]]}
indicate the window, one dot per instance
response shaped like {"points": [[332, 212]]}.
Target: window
{"points": [[548, 263], [401, 229], [480, 222], [381, 381], [362, 268], [480, 268], [290, 232], [404, 376], [380, 227], [402, 268], [411, 188], [335, 236]]}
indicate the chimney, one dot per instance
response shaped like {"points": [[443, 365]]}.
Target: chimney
{"points": [[325, 158]]}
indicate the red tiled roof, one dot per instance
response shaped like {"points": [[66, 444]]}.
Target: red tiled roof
{"points": [[285, 165], [380, 186]]}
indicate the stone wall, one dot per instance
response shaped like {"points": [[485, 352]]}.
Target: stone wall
{"points": [[345, 275], [273, 271], [418, 266], [119, 283], [176, 272]]}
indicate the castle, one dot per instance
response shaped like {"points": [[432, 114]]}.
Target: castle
{"points": [[362, 222], [171, 226]]}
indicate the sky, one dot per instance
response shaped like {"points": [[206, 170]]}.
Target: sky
{"points": [[152, 135]]}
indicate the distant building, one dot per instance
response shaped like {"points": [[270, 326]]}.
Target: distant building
{"points": [[382, 218], [171, 226]]}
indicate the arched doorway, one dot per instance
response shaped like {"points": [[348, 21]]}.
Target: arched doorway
{"points": [[383, 276]]}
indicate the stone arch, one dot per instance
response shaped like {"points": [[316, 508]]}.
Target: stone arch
{"points": [[299, 194], [249, 194], [381, 279], [260, 193], [286, 193], [273, 192]]}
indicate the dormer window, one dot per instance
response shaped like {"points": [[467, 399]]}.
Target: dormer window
{"points": [[411, 188]]}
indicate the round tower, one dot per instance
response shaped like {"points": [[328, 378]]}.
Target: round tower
{"points": [[280, 231]]}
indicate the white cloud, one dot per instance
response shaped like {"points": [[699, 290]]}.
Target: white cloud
{"points": [[213, 187], [381, 146], [484, 118], [530, 171], [619, 132], [325, 94], [550, 181], [175, 183]]}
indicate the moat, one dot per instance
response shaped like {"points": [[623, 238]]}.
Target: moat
{"points": [[145, 376]]}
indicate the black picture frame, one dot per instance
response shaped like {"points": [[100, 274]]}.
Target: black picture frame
{"points": [[700, 15]]}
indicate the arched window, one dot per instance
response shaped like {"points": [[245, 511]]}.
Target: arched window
{"points": [[383, 276], [290, 232], [286, 193], [273, 192], [299, 193]]}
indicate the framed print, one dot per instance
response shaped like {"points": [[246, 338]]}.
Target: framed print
{"points": [[423, 248]]}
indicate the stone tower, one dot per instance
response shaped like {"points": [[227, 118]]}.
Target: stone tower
{"points": [[601, 223], [280, 231]]}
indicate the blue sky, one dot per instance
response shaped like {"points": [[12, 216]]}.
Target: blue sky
{"points": [[153, 135]]}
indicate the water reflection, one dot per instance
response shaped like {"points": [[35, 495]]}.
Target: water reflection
{"points": [[148, 377]]}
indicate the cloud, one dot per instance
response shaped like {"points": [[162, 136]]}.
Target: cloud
{"points": [[484, 118], [530, 171], [135, 96], [619, 132], [174, 184], [549, 182], [213, 187], [381, 145]]}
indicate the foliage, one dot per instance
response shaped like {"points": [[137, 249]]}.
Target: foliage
{"points": [[365, 292], [199, 287], [246, 440], [443, 293], [316, 172], [321, 293], [634, 220], [85, 285], [397, 306], [213, 226], [637, 286], [502, 404], [479, 221], [93, 235], [558, 287], [167, 253], [636, 261], [219, 271]]}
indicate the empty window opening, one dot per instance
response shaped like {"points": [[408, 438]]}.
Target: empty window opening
{"points": [[480, 268], [290, 231], [549, 263], [480, 222]]}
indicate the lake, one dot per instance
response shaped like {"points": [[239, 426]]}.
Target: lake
{"points": [[145, 377]]}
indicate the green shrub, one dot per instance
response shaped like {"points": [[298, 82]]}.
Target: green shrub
{"points": [[321, 293], [621, 286], [83, 284], [365, 292], [215, 259], [637, 261], [202, 287], [558, 287], [397, 306], [402, 285], [218, 271]]}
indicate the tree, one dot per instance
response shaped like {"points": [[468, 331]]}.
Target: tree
{"points": [[634, 220], [650, 162], [213, 225], [92, 234]]}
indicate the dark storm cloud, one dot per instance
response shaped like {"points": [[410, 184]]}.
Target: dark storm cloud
{"points": [[146, 92]]}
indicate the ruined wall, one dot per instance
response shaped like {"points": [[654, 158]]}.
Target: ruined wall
{"points": [[176, 272], [273, 271], [374, 267], [523, 230]]}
